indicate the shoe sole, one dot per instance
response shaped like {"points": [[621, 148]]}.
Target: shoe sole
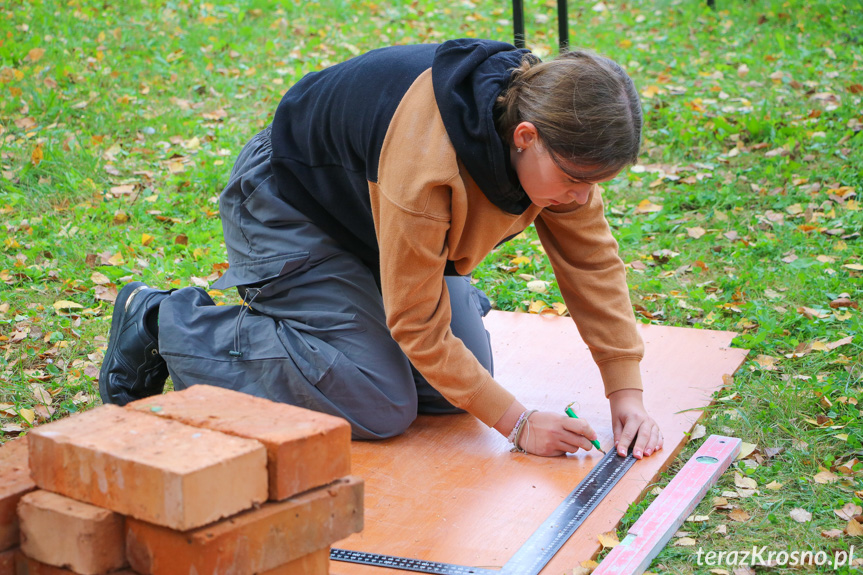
{"points": [[120, 306]]}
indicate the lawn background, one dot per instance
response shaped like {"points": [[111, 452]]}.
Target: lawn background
{"points": [[119, 123]]}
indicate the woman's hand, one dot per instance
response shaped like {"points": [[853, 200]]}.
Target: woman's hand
{"points": [[550, 434], [547, 434], [630, 421]]}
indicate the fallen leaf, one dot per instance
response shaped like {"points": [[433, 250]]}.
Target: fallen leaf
{"points": [[219, 114], [27, 415], [848, 511], [685, 542], [773, 486], [800, 515], [698, 432], [37, 155], [520, 260], [744, 482], [106, 293], [146, 239], [746, 450], [832, 534], [120, 217], [738, 515], [811, 313], [536, 306], [99, 278], [40, 394], [696, 232], [854, 529], [825, 477], [767, 362], [839, 343], [647, 207], [608, 540], [722, 529], [35, 54], [537, 286], [61, 305], [123, 190]]}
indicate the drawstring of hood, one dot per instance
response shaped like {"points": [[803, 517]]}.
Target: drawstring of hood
{"points": [[244, 309]]}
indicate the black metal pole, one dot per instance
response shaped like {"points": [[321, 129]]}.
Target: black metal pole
{"points": [[518, 23], [562, 25]]}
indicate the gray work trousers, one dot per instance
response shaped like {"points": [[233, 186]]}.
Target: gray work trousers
{"points": [[314, 333]]}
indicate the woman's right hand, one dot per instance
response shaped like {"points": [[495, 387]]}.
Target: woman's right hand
{"points": [[550, 434]]}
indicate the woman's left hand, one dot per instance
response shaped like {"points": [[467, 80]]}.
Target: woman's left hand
{"points": [[630, 421]]}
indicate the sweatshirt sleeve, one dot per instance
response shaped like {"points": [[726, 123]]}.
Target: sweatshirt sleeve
{"points": [[412, 206], [592, 280], [413, 255]]}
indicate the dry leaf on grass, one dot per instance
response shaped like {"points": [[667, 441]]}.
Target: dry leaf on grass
{"points": [[854, 529], [825, 477], [744, 482], [746, 450], [800, 515], [848, 511], [738, 515], [685, 542]]}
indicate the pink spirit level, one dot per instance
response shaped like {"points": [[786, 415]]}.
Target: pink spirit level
{"points": [[670, 509]]}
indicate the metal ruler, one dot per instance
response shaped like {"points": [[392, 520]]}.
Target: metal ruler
{"points": [[538, 550]]}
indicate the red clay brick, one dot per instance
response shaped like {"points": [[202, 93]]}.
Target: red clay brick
{"points": [[254, 541], [66, 533], [305, 449], [8, 560], [151, 468], [317, 563], [29, 566], [14, 482]]}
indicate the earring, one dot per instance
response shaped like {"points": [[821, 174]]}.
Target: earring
{"points": [[518, 150]]}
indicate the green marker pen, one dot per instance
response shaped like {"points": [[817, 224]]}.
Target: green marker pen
{"points": [[572, 414]]}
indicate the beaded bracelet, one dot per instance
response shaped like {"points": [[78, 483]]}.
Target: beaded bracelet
{"points": [[520, 426], [511, 437]]}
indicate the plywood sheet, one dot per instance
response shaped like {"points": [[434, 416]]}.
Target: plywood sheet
{"points": [[449, 489]]}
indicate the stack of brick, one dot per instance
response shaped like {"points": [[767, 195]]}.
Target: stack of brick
{"points": [[204, 481]]}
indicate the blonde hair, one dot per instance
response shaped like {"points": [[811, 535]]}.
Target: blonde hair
{"points": [[584, 107]]}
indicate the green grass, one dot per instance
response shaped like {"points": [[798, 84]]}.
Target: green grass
{"points": [[116, 140]]}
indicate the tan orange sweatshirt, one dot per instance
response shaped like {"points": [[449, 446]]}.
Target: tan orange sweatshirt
{"points": [[428, 210]]}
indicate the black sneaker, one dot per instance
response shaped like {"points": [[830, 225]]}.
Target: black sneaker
{"points": [[132, 368]]}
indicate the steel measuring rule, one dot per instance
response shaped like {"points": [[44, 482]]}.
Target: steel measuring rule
{"points": [[538, 550]]}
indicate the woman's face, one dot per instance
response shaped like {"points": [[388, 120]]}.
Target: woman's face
{"points": [[543, 181]]}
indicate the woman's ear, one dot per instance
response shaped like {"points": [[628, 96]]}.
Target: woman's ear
{"points": [[525, 135]]}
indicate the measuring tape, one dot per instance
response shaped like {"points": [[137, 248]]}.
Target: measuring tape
{"points": [[538, 550]]}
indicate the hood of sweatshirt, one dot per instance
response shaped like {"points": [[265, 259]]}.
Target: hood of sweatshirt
{"points": [[468, 75]]}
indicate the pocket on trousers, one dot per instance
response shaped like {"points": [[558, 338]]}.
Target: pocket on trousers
{"points": [[263, 271]]}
